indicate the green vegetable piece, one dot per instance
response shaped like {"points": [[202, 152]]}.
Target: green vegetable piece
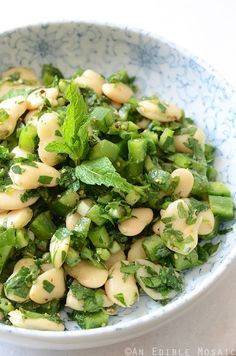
{"points": [[155, 248], [103, 253], [5, 306], [102, 118], [99, 237], [94, 214], [182, 262], [222, 206], [218, 188], [181, 160], [49, 73], [200, 186], [48, 286], [166, 141], [137, 150], [211, 173], [22, 238], [45, 179], [162, 180], [65, 203], [28, 138], [105, 148], [72, 257], [42, 226], [91, 320], [4, 255]]}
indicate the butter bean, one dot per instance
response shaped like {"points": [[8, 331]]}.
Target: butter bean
{"points": [[88, 275], [118, 92], [151, 109], [13, 108], [55, 278], [137, 251], [11, 199], [185, 184], [34, 176], [121, 291], [18, 319], [37, 97], [91, 80], [133, 226]]}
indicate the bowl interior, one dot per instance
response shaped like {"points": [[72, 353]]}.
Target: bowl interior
{"points": [[162, 69]]}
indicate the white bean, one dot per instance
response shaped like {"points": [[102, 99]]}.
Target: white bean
{"points": [[11, 199], [115, 257], [32, 117], [189, 232], [76, 304], [84, 206], [18, 319], [16, 218], [48, 130], [23, 72], [181, 141], [59, 247], [208, 222], [121, 291], [46, 267], [37, 97], [140, 218], [156, 227], [41, 293], [118, 92], [33, 176], [91, 80], [18, 152], [185, 184], [137, 251], [87, 274], [151, 109], [14, 108], [23, 262], [71, 220]]}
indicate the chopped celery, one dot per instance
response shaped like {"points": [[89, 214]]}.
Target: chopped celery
{"points": [[42, 226], [95, 215], [28, 138], [65, 203], [99, 237], [166, 141], [137, 150], [218, 188], [222, 206], [105, 148]]}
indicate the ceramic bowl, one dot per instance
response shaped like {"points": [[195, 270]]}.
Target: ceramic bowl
{"points": [[164, 69]]}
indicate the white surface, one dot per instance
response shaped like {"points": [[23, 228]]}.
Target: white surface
{"points": [[207, 28]]}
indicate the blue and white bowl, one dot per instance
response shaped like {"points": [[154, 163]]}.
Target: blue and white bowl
{"points": [[173, 74]]}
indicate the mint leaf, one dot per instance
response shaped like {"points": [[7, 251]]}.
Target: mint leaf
{"points": [[75, 135], [101, 171]]}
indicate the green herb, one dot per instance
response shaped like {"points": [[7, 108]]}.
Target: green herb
{"points": [[75, 135], [45, 179], [28, 194], [182, 212], [93, 299], [122, 76], [49, 73], [20, 282], [162, 107], [120, 297], [17, 169], [48, 286], [101, 172], [3, 115], [127, 269]]}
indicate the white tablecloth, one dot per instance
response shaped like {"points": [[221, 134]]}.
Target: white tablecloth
{"points": [[207, 28]]}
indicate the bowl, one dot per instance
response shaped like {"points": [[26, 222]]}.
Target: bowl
{"points": [[175, 75]]}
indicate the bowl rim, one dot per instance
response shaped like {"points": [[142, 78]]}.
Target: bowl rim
{"points": [[145, 323]]}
